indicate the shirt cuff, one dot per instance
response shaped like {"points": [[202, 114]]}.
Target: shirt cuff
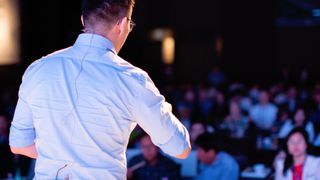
{"points": [[21, 137], [178, 143]]}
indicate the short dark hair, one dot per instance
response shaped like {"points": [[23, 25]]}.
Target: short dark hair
{"points": [[109, 11], [208, 141]]}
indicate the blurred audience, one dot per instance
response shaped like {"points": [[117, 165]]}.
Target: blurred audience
{"points": [[248, 118]]}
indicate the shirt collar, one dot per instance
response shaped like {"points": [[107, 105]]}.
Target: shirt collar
{"points": [[95, 40]]}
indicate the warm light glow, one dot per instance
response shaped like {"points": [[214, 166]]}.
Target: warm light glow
{"points": [[165, 35], [168, 46], [9, 32]]}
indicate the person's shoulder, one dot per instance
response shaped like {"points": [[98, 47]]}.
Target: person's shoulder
{"points": [[226, 157], [255, 108], [129, 68], [37, 64], [313, 159], [313, 163], [139, 75], [58, 53], [309, 124], [44, 59]]}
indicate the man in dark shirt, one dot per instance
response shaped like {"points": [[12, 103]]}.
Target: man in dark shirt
{"points": [[151, 164]]}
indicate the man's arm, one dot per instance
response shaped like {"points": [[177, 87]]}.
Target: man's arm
{"points": [[29, 151], [22, 133], [154, 115]]}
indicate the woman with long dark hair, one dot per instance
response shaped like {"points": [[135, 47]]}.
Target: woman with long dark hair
{"points": [[297, 164]]}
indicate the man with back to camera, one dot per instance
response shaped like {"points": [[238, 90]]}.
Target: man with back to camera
{"points": [[78, 106]]}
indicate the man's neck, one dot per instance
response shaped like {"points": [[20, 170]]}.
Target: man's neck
{"points": [[102, 32]]}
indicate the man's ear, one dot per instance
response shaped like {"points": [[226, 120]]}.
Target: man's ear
{"points": [[82, 21], [121, 25]]}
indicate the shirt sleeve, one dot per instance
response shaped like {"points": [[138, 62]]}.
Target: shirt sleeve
{"points": [[22, 132], [153, 114]]}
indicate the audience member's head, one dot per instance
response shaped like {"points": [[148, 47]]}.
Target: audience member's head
{"points": [[149, 150], [207, 148], [316, 96], [299, 117], [292, 92], [296, 146], [264, 97], [197, 128], [234, 109]]}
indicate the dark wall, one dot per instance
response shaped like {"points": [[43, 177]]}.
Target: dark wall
{"points": [[298, 48], [249, 32], [47, 26], [254, 48]]}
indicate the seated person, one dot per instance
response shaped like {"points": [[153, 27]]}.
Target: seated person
{"points": [[264, 113], [215, 164], [235, 122], [299, 120], [296, 164], [151, 164]]}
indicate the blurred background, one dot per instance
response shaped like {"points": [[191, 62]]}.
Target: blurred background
{"points": [[203, 56]]}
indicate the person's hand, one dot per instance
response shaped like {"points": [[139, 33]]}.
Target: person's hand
{"points": [[280, 156]]}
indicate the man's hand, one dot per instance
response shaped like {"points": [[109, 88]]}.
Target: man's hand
{"points": [[29, 151], [185, 154]]}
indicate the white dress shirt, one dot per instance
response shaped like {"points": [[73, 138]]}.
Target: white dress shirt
{"points": [[79, 106]]}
